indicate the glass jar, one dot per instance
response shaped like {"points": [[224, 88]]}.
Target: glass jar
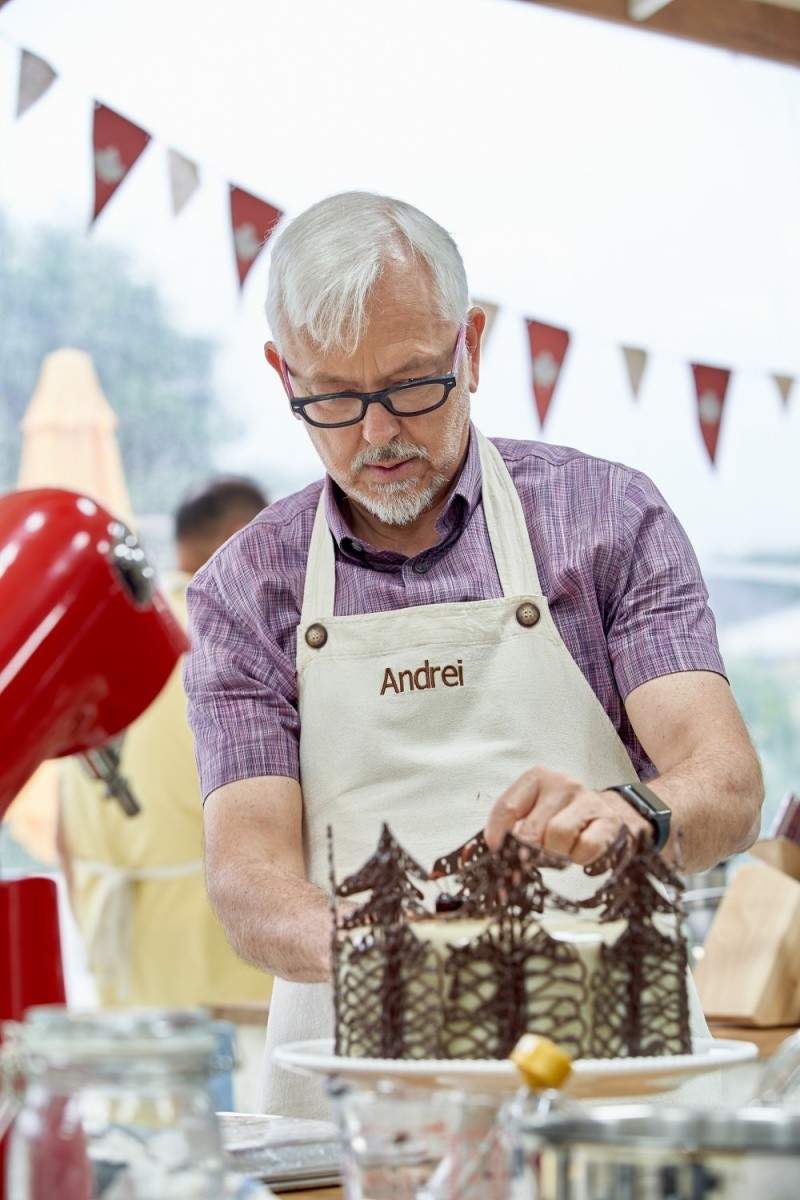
{"points": [[113, 1106]]}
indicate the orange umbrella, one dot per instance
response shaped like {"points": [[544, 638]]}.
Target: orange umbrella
{"points": [[70, 434], [69, 440]]}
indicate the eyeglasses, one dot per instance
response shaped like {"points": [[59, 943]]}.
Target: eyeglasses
{"points": [[333, 410]]}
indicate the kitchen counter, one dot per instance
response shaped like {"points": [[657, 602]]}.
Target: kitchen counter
{"points": [[330, 1193], [767, 1040]]}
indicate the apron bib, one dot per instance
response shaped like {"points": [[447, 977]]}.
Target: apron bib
{"points": [[421, 717]]}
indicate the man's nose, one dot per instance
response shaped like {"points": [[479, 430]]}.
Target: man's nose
{"points": [[379, 426]]}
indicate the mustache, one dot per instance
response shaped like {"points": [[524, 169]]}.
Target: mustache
{"points": [[392, 452]]}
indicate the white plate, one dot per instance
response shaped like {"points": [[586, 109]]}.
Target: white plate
{"points": [[590, 1076]]}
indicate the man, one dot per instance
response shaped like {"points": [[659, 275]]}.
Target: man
{"points": [[137, 883], [445, 634]]}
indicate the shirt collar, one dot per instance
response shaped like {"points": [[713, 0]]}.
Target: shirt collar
{"points": [[465, 492]]}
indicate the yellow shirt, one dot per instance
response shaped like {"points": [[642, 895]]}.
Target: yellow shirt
{"points": [[151, 941]]}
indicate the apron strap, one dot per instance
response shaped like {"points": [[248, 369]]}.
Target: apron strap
{"points": [[320, 582], [505, 521]]}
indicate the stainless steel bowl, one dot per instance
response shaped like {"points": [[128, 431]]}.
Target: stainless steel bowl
{"points": [[648, 1152]]}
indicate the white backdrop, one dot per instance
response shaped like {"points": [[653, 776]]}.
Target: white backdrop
{"points": [[633, 188]]}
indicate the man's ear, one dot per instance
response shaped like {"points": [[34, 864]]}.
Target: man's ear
{"points": [[476, 323], [273, 357]]}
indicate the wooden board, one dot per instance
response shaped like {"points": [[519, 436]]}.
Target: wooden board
{"points": [[750, 969], [765, 30], [780, 853]]}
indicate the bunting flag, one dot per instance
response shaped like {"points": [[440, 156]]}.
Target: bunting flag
{"points": [[35, 77], [117, 145], [491, 311], [252, 221], [711, 384], [184, 179], [784, 383], [635, 361], [548, 348]]}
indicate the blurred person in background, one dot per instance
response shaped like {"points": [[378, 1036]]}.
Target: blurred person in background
{"points": [[136, 883]]}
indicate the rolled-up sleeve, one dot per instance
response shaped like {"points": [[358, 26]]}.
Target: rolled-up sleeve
{"points": [[659, 621], [241, 690]]}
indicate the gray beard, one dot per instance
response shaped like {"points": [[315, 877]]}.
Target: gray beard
{"points": [[400, 503]]}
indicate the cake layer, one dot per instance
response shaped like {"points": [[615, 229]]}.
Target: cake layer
{"points": [[469, 987]]}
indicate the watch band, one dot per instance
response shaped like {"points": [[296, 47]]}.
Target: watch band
{"points": [[650, 806]]}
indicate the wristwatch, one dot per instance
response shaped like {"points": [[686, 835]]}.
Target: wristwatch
{"points": [[648, 805]]}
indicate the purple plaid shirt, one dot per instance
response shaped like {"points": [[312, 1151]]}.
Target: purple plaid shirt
{"points": [[621, 578]]}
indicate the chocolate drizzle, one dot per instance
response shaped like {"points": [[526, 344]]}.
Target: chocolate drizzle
{"points": [[396, 996], [387, 875], [641, 1006]]}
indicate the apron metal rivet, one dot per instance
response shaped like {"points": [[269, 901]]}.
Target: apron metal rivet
{"points": [[528, 614], [316, 636]]}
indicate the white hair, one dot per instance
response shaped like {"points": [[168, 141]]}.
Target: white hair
{"points": [[326, 262]]}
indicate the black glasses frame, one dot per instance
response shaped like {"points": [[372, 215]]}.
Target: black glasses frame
{"points": [[383, 397]]}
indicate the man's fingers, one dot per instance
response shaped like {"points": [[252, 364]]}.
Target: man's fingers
{"points": [[528, 805], [544, 808], [595, 839], [532, 829], [566, 825], [514, 804]]}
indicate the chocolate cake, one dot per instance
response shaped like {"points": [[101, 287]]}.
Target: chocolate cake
{"points": [[501, 953]]}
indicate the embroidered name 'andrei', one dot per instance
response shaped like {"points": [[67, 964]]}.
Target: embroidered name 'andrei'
{"points": [[423, 678]]}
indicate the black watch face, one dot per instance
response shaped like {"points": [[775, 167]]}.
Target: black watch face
{"points": [[658, 808]]}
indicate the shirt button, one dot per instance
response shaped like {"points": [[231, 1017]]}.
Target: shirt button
{"points": [[528, 614], [421, 567]]}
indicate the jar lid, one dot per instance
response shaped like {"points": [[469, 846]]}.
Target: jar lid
{"points": [[60, 1036], [767, 1128]]}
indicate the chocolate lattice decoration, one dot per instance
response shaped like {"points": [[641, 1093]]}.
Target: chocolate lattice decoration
{"points": [[640, 1002], [396, 995], [511, 979]]}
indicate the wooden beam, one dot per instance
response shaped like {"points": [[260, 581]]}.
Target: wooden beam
{"points": [[766, 30]]}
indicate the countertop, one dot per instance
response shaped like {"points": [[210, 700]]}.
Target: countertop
{"points": [[767, 1040]]}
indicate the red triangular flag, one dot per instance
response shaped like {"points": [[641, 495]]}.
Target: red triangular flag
{"points": [[711, 384], [117, 145], [252, 221], [548, 347]]}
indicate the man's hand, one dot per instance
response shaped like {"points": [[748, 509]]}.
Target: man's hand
{"points": [[545, 808], [708, 775]]}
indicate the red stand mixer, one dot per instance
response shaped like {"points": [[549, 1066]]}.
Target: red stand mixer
{"points": [[86, 643]]}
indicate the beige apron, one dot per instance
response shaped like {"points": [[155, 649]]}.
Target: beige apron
{"points": [[492, 696]]}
